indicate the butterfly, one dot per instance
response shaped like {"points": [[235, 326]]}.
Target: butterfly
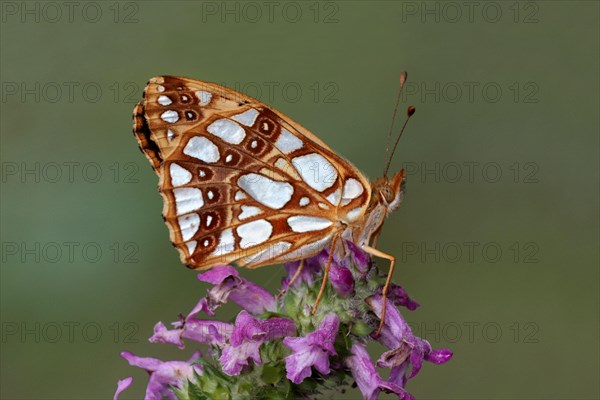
{"points": [[242, 183]]}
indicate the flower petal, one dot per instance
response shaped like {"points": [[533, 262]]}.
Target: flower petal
{"points": [[201, 331], [171, 373], [203, 306], [148, 363], [246, 328], [395, 328], [398, 375], [341, 279], [122, 385], [164, 375], [440, 356], [229, 284], [164, 335], [368, 380], [218, 274], [207, 332], [298, 367], [400, 297], [312, 267], [360, 258], [253, 298], [406, 347], [248, 335], [313, 350], [416, 360], [234, 359]]}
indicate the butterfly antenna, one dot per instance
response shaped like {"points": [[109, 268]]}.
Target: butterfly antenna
{"points": [[409, 113], [403, 77]]}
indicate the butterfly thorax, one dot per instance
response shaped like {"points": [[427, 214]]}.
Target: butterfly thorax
{"points": [[386, 196]]}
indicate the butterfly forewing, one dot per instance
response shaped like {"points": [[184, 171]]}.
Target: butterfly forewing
{"points": [[241, 182]]}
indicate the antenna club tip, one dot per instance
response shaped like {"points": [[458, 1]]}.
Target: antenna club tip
{"points": [[410, 111], [403, 77]]}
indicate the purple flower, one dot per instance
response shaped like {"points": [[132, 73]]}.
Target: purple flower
{"points": [[395, 329], [360, 258], [368, 380], [122, 385], [201, 331], [163, 335], [207, 305], [208, 332], [340, 275], [312, 350], [312, 359], [312, 266], [248, 335], [405, 347], [400, 297], [164, 375], [341, 279], [218, 274], [229, 284]]}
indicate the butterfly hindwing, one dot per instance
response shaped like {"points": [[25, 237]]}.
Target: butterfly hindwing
{"points": [[241, 182]]}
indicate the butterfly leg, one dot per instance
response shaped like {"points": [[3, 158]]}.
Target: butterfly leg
{"points": [[378, 253], [294, 278], [325, 274]]}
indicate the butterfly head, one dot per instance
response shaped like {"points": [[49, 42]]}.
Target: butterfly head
{"points": [[389, 191]]}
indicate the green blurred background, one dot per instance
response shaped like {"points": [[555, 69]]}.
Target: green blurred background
{"points": [[497, 238]]}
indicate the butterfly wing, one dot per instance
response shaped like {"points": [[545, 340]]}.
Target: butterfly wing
{"points": [[241, 182]]}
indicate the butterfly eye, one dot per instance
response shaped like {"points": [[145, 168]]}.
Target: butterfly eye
{"points": [[387, 194]]}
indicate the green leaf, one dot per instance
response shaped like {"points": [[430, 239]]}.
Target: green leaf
{"points": [[189, 392], [291, 304], [211, 369], [270, 374], [360, 328], [221, 393]]}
